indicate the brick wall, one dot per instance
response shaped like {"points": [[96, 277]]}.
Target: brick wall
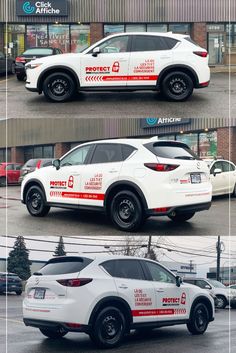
{"points": [[226, 140], [96, 32], [60, 149], [17, 155], [199, 34]]}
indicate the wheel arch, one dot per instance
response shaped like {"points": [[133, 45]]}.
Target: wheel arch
{"points": [[183, 68], [203, 300], [56, 69], [33, 182], [121, 185], [112, 301]]}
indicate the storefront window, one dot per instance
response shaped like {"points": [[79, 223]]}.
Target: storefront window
{"points": [[179, 28], [156, 28], [14, 39], [208, 144], [36, 36], [112, 29], [135, 28], [5, 154], [32, 152], [190, 139], [80, 37], [231, 35], [168, 137], [59, 37]]}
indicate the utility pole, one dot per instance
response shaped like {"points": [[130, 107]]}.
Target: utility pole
{"points": [[219, 250]]}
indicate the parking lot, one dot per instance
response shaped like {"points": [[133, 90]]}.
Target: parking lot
{"points": [[174, 339], [216, 221], [205, 103]]}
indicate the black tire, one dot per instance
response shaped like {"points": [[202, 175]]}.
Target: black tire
{"points": [[234, 191], [20, 77], [18, 292], [55, 334], [182, 217], [177, 86], [59, 87], [126, 211], [3, 181], [221, 302], [109, 328], [35, 202], [233, 306], [199, 319]]}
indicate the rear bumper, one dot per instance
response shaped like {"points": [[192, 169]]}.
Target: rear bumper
{"points": [[180, 209], [203, 84], [54, 325], [10, 288], [30, 88]]}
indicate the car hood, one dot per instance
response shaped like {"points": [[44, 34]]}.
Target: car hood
{"points": [[56, 59]]}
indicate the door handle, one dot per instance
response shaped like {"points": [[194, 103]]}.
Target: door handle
{"points": [[123, 286], [160, 290], [113, 171]]}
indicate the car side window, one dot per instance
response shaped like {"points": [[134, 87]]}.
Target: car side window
{"points": [[17, 166], [115, 45], [127, 151], [201, 283], [216, 165], [76, 157], [227, 167], [129, 269], [10, 167], [107, 153], [159, 274], [151, 43]]}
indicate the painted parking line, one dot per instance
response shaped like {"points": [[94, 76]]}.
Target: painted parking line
{"points": [[6, 80], [11, 320]]}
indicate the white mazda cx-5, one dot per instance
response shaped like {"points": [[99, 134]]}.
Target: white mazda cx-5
{"points": [[107, 296], [170, 63], [128, 179]]}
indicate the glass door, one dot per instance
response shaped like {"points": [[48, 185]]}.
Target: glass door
{"points": [[216, 48]]}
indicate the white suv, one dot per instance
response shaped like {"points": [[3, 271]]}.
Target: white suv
{"points": [[166, 62], [129, 179], [107, 296]]}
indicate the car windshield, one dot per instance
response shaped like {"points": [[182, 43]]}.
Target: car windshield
{"points": [[216, 283], [38, 51], [175, 150]]}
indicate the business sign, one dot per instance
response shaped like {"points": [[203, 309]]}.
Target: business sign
{"points": [[41, 8], [158, 122]]}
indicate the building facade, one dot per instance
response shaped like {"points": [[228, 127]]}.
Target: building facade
{"points": [[72, 25], [49, 138]]}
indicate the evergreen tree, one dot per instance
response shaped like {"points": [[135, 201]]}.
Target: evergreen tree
{"points": [[60, 249], [18, 259]]}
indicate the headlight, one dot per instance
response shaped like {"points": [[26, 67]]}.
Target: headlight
{"points": [[32, 66]]}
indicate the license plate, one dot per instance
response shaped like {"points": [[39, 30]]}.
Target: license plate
{"points": [[39, 293], [195, 178]]}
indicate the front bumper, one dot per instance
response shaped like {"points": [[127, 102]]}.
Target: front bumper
{"points": [[179, 209]]}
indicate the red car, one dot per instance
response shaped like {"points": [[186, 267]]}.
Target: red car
{"points": [[9, 173]]}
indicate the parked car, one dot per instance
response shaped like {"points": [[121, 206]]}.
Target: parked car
{"points": [[9, 173], [10, 282], [170, 63], [31, 54], [107, 296], [128, 179], [33, 164], [7, 64], [216, 287], [232, 295], [223, 176]]}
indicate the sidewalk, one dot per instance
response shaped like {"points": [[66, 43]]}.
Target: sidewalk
{"points": [[223, 68]]}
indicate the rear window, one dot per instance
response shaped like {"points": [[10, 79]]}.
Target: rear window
{"points": [[172, 150], [59, 266], [38, 51], [31, 163]]}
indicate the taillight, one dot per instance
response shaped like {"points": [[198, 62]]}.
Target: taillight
{"points": [[162, 209], [74, 282], [38, 164], [160, 167], [20, 60], [203, 54]]}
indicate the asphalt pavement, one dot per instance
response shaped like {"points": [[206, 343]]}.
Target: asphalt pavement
{"points": [[17, 338], [211, 102], [215, 221]]}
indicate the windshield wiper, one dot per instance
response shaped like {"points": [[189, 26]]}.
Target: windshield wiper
{"points": [[37, 274]]}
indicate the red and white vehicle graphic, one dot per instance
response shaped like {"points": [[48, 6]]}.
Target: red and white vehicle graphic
{"points": [[166, 62], [107, 296]]}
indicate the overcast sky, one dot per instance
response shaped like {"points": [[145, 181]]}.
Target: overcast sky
{"points": [[203, 247]]}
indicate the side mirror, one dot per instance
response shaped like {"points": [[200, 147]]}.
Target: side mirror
{"points": [[217, 171], [56, 163], [178, 281], [96, 51], [207, 286]]}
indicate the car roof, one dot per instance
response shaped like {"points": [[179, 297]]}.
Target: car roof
{"points": [[161, 34]]}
